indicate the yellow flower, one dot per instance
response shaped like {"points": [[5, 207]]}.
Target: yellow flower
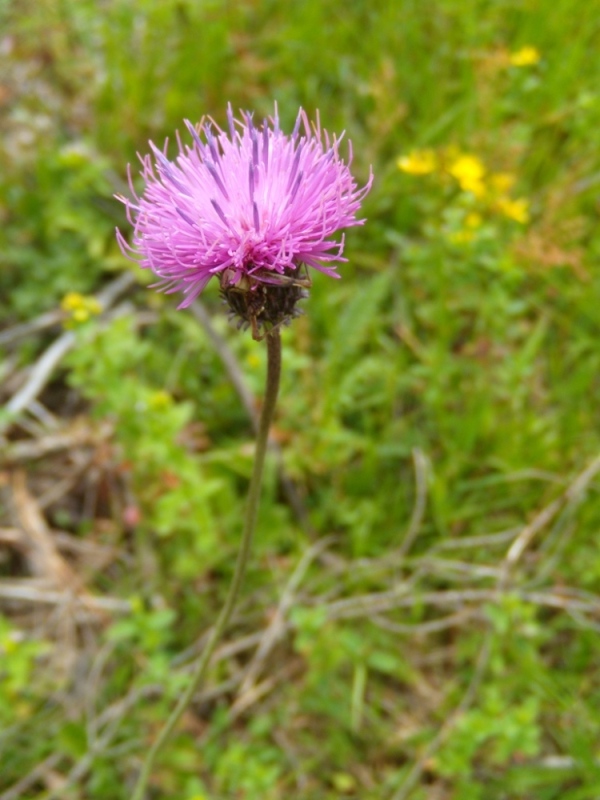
{"points": [[467, 233], [502, 182], [71, 301], [473, 220], [418, 162], [518, 210], [469, 172], [79, 308], [525, 57], [159, 400], [461, 237]]}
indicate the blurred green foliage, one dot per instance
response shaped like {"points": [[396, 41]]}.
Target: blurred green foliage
{"points": [[460, 331]]}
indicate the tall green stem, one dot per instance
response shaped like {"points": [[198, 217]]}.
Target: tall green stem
{"points": [[262, 437]]}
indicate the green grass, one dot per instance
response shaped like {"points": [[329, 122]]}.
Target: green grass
{"points": [[447, 385]]}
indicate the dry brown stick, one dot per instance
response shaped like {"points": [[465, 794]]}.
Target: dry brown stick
{"points": [[58, 584], [379, 602], [40, 372], [12, 536], [572, 496], [431, 626], [46, 320], [450, 567], [31, 591], [78, 433], [225, 650], [485, 540], [418, 513], [259, 690], [65, 542], [42, 555]]}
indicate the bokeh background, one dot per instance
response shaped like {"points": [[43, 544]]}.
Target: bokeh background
{"points": [[421, 618]]}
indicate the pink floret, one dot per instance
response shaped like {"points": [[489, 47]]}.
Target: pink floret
{"points": [[253, 201]]}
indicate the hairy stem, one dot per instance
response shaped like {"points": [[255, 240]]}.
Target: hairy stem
{"points": [[262, 437]]}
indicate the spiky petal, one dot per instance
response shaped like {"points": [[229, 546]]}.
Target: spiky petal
{"points": [[251, 205]]}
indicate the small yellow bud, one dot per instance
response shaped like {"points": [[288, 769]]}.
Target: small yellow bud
{"points": [[160, 400], [418, 162], [462, 236], [473, 220], [79, 308], [469, 172], [525, 57], [502, 182], [517, 210], [71, 301]]}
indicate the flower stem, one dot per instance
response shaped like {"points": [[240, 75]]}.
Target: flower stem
{"points": [[262, 437]]}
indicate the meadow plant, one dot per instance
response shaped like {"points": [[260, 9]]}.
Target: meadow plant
{"points": [[255, 208]]}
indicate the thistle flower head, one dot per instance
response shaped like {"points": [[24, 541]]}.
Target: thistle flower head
{"points": [[253, 206]]}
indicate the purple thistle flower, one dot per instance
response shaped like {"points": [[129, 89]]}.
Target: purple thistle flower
{"points": [[251, 206]]}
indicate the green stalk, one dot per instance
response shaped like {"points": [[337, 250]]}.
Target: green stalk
{"points": [[262, 437]]}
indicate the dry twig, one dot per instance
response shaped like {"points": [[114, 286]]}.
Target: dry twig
{"points": [[416, 520], [42, 555]]}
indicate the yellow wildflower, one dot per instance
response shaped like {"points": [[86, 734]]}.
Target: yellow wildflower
{"points": [[473, 220], [467, 232], [79, 308], [469, 172], [418, 162], [462, 236], [502, 182], [518, 210], [159, 400], [71, 301], [525, 57]]}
